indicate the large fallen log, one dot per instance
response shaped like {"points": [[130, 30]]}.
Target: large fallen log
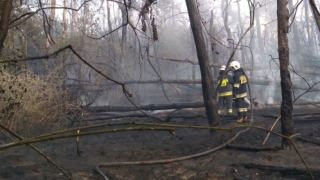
{"points": [[252, 148], [197, 81], [150, 107], [287, 171], [301, 120], [309, 140], [246, 68], [298, 117], [163, 118], [299, 104]]}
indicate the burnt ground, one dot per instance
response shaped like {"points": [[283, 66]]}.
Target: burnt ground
{"points": [[227, 163]]}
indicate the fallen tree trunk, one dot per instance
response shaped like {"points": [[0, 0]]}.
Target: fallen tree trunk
{"points": [[194, 81], [305, 120], [252, 148], [150, 107], [246, 68], [287, 171], [299, 104], [309, 140], [311, 115], [163, 118]]}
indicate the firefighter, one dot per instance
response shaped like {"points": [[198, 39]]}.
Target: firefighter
{"points": [[239, 90], [225, 91]]}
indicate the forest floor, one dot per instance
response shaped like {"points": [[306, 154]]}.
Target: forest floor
{"points": [[230, 162]]}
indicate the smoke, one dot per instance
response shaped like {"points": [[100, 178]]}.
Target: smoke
{"points": [[270, 93]]}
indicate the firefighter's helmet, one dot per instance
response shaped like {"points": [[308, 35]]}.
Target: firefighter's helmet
{"points": [[235, 65]]}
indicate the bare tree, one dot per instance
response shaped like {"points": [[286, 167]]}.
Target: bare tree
{"points": [[310, 48], [213, 45], [226, 25], [315, 12], [49, 26], [64, 19], [294, 28], [4, 20], [259, 36], [287, 125], [206, 73], [240, 31]]}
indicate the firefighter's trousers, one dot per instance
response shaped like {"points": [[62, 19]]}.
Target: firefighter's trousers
{"points": [[241, 106], [224, 101]]}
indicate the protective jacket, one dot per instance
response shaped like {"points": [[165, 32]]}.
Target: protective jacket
{"points": [[225, 88], [239, 84]]}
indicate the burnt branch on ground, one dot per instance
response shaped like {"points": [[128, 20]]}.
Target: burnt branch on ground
{"points": [[252, 148], [303, 118], [309, 140]]}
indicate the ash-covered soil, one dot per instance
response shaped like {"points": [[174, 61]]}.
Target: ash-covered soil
{"points": [[227, 163]]}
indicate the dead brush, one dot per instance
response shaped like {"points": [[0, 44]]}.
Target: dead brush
{"points": [[31, 105]]}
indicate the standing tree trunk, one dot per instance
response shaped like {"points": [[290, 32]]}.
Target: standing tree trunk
{"points": [[259, 36], [287, 126], [206, 74], [226, 25], [316, 15], [64, 19], [315, 12], [294, 30], [4, 21], [25, 51], [310, 48], [123, 35], [49, 39], [241, 32], [62, 62], [213, 45], [193, 56], [74, 17]]}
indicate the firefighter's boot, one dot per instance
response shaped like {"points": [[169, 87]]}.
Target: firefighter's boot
{"points": [[240, 120], [240, 117], [245, 119]]}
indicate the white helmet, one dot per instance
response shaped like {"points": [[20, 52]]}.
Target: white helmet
{"points": [[235, 65], [223, 67]]}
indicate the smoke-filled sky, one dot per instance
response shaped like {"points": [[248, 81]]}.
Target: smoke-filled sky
{"points": [[258, 49]]}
